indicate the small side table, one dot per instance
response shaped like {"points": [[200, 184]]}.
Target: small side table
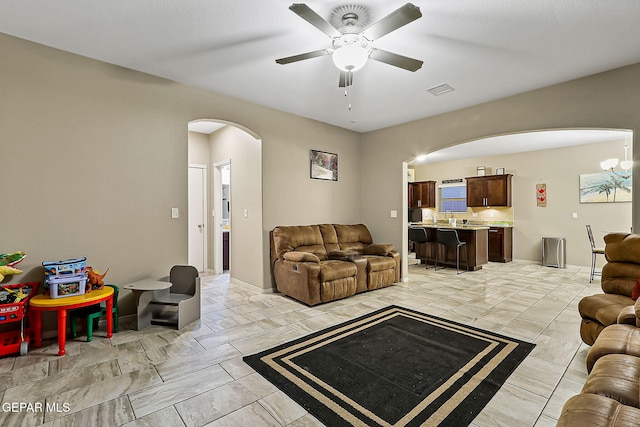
{"points": [[144, 290], [41, 303]]}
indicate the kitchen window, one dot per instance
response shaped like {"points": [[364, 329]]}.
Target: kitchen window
{"points": [[453, 198]]}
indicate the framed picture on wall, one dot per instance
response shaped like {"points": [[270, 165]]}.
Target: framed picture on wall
{"points": [[605, 187], [323, 165]]}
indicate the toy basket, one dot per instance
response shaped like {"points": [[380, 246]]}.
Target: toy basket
{"points": [[60, 287], [14, 301], [66, 268]]}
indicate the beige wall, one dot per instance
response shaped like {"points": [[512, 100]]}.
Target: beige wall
{"points": [[607, 100], [198, 150], [95, 156], [559, 169]]}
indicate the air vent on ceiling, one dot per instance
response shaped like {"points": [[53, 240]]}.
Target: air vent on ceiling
{"points": [[440, 89]]}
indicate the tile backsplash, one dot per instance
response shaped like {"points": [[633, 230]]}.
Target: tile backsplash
{"points": [[473, 215]]}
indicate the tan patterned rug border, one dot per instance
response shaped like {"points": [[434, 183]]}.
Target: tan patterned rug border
{"points": [[282, 360]]}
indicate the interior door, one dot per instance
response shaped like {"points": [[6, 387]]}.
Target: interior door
{"points": [[197, 214]]}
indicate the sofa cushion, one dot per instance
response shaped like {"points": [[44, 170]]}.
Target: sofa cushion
{"points": [[379, 263], [353, 237], [614, 339], [603, 307], [303, 238], [596, 410], [616, 376], [333, 270], [622, 247]]}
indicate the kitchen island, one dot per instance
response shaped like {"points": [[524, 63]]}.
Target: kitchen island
{"points": [[476, 237]]}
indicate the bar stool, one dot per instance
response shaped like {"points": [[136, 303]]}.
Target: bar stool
{"points": [[594, 251], [449, 238], [419, 235]]}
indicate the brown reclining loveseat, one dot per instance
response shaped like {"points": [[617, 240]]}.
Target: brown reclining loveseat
{"points": [[326, 262], [619, 275]]}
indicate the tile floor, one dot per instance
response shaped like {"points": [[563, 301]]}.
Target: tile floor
{"points": [[196, 377]]}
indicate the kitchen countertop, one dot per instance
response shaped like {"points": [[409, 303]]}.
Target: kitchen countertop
{"points": [[459, 225]]}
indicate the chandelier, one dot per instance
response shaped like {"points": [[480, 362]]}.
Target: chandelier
{"points": [[609, 165]]}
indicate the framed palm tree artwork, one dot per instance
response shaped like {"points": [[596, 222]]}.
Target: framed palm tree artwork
{"points": [[605, 187]]}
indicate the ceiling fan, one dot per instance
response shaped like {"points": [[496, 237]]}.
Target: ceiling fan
{"points": [[351, 38]]}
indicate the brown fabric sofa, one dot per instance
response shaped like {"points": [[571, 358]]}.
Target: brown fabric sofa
{"points": [[326, 262], [611, 394], [619, 275]]}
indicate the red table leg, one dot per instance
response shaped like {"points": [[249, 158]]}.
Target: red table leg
{"points": [[62, 331], [37, 327], [110, 317]]}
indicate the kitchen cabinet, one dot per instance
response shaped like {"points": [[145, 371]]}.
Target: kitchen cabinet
{"points": [[422, 194], [489, 191], [225, 250], [500, 244]]}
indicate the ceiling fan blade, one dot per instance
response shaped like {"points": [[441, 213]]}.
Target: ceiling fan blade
{"points": [[395, 59], [396, 19], [306, 13], [303, 56], [346, 79]]}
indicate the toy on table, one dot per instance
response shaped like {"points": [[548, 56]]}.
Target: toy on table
{"points": [[11, 259], [95, 279], [65, 278]]}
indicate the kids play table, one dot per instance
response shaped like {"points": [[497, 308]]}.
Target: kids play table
{"points": [[41, 303]]}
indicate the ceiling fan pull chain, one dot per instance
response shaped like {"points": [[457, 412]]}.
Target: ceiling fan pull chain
{"points": [[347, 89]]}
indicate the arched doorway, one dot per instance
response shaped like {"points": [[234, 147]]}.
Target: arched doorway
{"points": [[223, 146], [557, 158]]}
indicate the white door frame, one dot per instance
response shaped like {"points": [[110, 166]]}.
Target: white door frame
{"points": [[205, 203], [217, 217]]}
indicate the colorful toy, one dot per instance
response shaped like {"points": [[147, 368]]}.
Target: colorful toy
{"points": [[6, 270], [95, 278], [11, 259]]}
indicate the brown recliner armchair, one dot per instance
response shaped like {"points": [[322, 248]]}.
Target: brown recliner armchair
{"points": [[619, 275], [611, 394], [320, 263]]}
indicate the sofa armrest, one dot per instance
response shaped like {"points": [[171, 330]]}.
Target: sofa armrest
{"points": [[297, 256], [378, 249], [627, 316]]}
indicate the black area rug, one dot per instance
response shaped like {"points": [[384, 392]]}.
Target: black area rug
{"points": [[393, 367]]}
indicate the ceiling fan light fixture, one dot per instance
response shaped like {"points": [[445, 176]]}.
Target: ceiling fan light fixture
{"points": [[350, 57]]}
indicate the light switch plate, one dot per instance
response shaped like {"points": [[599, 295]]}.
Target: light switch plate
{"points": [[394, 214], [175, 213], [574, 215]]}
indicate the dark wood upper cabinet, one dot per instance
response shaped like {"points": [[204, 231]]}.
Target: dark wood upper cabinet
{"points": [[488, 191], [422, 194]]}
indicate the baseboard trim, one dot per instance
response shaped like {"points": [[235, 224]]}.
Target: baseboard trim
{"points": [[235, 281]]}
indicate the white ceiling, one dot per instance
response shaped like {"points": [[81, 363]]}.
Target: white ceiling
{"points": [[485, 49], [205, 126]]}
